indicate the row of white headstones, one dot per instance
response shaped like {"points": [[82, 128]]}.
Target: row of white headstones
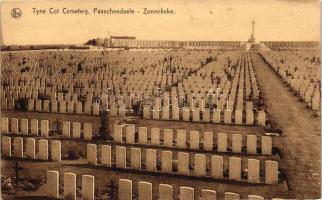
{"points": [[119, 157], [21, 127], [194, 140], [125, 189]]}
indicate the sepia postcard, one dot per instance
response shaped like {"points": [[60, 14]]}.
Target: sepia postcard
{"points": [[160, 99]]}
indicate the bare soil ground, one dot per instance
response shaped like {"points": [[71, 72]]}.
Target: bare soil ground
{"points": [[300, 143]]}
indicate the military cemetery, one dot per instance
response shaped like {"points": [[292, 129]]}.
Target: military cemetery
{"points": [[141, 119]]}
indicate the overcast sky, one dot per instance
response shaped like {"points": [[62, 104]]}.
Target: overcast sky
{"points": [[193, 20]]}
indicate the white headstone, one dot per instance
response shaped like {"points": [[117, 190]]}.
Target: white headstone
{"points": [[18, 147], [251, 144], [6, 146], [165, 192], [146, 113], [249, 117], [130, 133], [261, 119], [208, 141], [166, 161], [156, 113], [88, 187], [196, 115], [62, 106], [183, 163], [200, 165], [34, 127], [266, 145], [206, 115], [106, 155], [88, 132], [79, 107], [208, 194], [120, 157], [271, 172], [231, 196], [24, 126], [31, 148], [175, 113], [136, 158], [165, 114], [186, 114], [194, 140], [236, 143], [70, 186], [4, 125], [181, 139], [143, 135], [46, 106], [238, 117], [144, 191], [43, 149], [92, 154], [76, 131], [151, 160], [216, 117], [118, 134], [222, 142], [44, 128], [125, 189], [234, 168], [52, 184], [56, 150], [155, 136], [14, 126], [253, 170], [66, 129], [217, 167], [187, 193], [227, 116], [168, 137]]}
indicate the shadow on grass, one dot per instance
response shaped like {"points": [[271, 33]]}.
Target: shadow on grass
{"points": [[34, 198]]}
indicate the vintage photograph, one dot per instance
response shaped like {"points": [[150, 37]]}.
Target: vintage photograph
{"points": [[160, 100]]}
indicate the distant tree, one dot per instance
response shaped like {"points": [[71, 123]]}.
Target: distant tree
{"points": [[91, 42]]}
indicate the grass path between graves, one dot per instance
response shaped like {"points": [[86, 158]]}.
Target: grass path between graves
{"points": [[300, 142]]}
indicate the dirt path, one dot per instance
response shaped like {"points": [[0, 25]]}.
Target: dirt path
{"points": [[300, 143]]}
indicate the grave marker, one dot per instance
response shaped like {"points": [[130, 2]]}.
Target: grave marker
{"points": [[144, 190], [56, 150], [151, 160], [187, 193], [200, 165], [168, 137], [88, 187], [120, 157], [92, 154], [165, 192], [52, 184], [30, 148], [222, 142], [106, 155], [208, 141], [183, 163], [217, 167], [43, 149], [234, 168], [125, 189], [136, 158], [70, 186], [166, 161]]}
